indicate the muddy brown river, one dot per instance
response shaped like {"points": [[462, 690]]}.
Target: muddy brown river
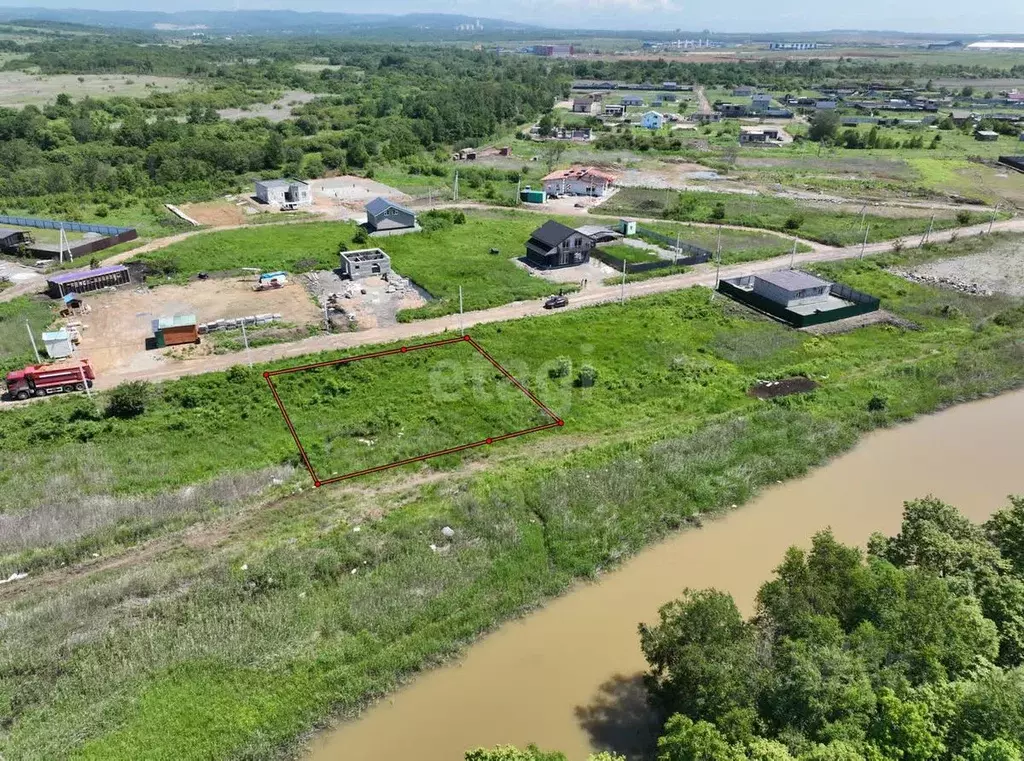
{"points": [[567, 676]]}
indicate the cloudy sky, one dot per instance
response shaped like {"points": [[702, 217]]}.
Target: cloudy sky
{"points": [[993, 17]]}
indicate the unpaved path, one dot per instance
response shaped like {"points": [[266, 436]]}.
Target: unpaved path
{"points": [[702, 100], [701, 275]]}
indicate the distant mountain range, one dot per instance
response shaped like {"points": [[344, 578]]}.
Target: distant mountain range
{"points": [[258, 22]]}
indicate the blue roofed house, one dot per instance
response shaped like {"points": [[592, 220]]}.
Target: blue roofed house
{"points": [[383, 215], [653, 120]]}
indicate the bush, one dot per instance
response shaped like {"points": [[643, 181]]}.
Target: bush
{"points": [[718, 212], [794, 222], [361, 236], [128, 400], [587, 376], [562, 368], [877, 404], [963, 217]]}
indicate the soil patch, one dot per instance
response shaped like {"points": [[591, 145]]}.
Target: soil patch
{"points": [[784, 387], [998, 270], [216, 213]]}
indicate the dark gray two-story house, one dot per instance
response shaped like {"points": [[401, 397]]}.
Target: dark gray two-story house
{"points": [[383, 215], [555, 245]]}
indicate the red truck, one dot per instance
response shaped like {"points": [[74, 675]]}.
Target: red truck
{"points": [[41, 380]]}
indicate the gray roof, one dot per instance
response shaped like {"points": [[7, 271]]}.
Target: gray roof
{"points": [[379, 205], [282, 183], [7, 232], [792, 280], [552, 234]]}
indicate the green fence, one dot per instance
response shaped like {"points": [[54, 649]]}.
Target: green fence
{"points": [[861, 303]]}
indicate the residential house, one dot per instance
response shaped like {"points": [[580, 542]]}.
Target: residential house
{"points": [[578, 181], [13, 241], [760, 102], [668, 97], [705, 118], [732, 110], [632, 100], [825, 105], [762, 135], [986, 135], [777, 113], [585, 104], [383, 215], [653, 120], [366, 262], [743, 91], [556, 245], [287, 194], [614, 109]]}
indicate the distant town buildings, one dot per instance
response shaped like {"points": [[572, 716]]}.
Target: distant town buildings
{"points": [[792, 45]]}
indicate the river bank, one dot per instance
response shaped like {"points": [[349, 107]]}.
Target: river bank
{"points": [[233, 637], [568, 676]]}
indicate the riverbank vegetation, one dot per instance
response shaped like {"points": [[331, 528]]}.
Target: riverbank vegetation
{"points": [[228, 606]]}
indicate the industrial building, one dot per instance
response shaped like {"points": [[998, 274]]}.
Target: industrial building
{"points": [[83, 281], [383, 215], [13, 241], [366, 262], [287, 194]]}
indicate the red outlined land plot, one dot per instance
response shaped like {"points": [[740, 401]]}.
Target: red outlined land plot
{"points": [[318, 430]]}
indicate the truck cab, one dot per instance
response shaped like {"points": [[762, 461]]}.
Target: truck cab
{"points": [[17, 385]]}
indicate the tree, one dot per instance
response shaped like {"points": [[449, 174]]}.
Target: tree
{"points": [[904, 730], [546, 125], [967, 91], [128, 400], [824, 126], [702, 656], [552, 153], [273, 151], [687, 740]]}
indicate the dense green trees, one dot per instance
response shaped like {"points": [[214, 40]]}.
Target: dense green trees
{"points": [[911, 653]]}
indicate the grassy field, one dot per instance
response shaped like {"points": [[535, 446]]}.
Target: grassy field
{"points": [[828, 226], [631, 253], [15, 346], [232, 647]]}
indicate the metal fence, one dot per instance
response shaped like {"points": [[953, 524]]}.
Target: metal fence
{"points": [[52, 224], [860, 303], [669, 241]]}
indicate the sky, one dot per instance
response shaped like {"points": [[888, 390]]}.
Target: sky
{"points": [[993, 17]]}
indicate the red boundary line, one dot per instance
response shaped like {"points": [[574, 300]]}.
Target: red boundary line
{"points": [[317, 481]]}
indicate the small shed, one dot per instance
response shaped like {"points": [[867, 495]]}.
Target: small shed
{"points": [[986, 135], [13, 241], [791, 287], [627, 226], [529, 195], [172, 331], [58, 344]]}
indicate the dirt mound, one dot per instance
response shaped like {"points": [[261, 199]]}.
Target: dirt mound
{"points": [[784, 387]]}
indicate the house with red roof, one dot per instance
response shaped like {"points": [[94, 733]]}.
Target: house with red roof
{"points": [[579, 181]]}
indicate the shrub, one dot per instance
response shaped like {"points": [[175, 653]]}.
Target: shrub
{"points": [[562, 368], [898, 245], [794, 222], [361, 236], [877, 404], [587, 376], [128, 400], [718, 212], [963, 217]]}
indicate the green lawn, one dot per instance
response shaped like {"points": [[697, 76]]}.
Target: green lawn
{"points": [[236, 650], [631, 254]]}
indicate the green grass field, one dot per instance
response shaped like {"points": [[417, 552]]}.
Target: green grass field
{"points": [[832, 227], [235, 649], [15, 345], [631, 253]]}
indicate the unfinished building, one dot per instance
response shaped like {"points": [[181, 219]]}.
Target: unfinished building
{"points": [[366, 262], [797, 297]]}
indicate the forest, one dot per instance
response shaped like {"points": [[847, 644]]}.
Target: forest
{"points": [[912, 651], [382, 102]]}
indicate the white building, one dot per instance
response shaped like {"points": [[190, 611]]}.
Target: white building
{"points": [[578, 181], [284, 193], [58, 344], [653, 120]]}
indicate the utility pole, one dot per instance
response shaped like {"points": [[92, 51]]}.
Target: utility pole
{"points": [[792, 256], [718, 265], [865, 242], [455, 196], [928, 234], [85, 381], [991, 221], [622, 293], [327, 319], [519, 185], [462, 329], [32, 338], [245, 340]]}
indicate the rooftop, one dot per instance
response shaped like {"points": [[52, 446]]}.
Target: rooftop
{"points": [[579, 173], [74, 277], [380, 204], [279, 183], [177, 321], [6, 232], [552, 233], [793, 280]]}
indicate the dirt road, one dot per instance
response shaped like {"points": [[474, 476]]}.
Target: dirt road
{"points": [[702, 100], [700, 275]]}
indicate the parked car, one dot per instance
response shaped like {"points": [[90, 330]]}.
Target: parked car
{"points": [[554, 302]]}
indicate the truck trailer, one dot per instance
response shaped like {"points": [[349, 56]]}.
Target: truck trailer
{"points": [[43, 380]]}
